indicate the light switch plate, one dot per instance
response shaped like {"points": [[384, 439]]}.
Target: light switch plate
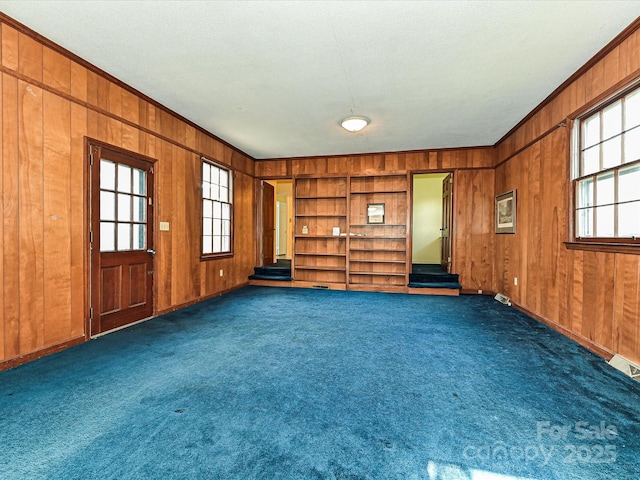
{"points": [[164, 226]]}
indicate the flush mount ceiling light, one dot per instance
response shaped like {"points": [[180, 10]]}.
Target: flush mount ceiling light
{"points": [[354, 123]]}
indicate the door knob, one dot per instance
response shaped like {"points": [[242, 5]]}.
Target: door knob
{"points": [[151, 251]]}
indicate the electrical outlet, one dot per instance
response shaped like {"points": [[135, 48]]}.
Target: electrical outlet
{"points": [[221, 272], [515, 280]]}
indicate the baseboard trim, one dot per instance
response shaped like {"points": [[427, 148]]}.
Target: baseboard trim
{"points": [[270, 283], [199, 299], [585, 342], [359, 287], [30, 357], [319, 285], [469, 291]]}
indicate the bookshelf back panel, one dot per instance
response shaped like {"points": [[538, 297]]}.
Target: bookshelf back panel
{"points": [[395, 207], [321, 206], [379, 280], [320, 225], [322, 246], [376, 267], [321, 276]]}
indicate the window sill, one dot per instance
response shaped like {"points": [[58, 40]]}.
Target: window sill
{"points": [[215, 256], [629, 248]]}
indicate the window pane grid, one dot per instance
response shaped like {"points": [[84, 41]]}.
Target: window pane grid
{"points": [[216, 209], [607, 187], [123, 204], [608, 204], [611, 136]]}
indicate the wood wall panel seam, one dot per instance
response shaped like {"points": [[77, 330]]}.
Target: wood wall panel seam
{"points": [[532, 142], [107, 113]]}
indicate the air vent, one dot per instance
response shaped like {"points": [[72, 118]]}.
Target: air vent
{"points": [[503, 299], [626, 367]]}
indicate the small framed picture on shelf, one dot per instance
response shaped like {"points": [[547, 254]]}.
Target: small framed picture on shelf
{"points": [[375, 213], [506, 212]]}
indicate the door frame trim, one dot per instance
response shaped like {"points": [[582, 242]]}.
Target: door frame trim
{"points": [[90, 142]]}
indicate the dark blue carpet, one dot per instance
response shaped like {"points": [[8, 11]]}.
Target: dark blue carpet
{"points": [[270, 383]]}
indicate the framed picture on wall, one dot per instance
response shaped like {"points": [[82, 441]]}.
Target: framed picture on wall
{"points": [[375, 213], [506, 212]]}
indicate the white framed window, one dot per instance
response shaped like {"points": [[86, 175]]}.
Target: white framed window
{"points": [[607, 171], [217, 209]]}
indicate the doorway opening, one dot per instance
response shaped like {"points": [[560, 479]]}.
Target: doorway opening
{"points": [[432, 224], [276, 222]]}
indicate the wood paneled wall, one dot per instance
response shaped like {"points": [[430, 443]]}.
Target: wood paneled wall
{"points": [[473, 196], [51, 101], [588, 295], [372, 164]]}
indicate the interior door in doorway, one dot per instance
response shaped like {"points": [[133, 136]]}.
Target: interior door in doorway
{"points": [[268, 223], [447, 222], [121, 239]]}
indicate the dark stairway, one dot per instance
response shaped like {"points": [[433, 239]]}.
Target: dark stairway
{"points": [[432, 276], [280, 271]]}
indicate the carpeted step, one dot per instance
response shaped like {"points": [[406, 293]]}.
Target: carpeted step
{"points": [[433, 277], [452, 285], [275, 271], [280, 278]]}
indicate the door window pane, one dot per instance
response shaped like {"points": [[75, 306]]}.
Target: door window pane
{"points": [[124, 207], [107, 236], [139, 182], [124, 236], [139, 237], [139, 209], [107, 205], [107, 175], [124, 178]]}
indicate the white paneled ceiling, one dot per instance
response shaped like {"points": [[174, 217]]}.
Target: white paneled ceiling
{"points": [[274, 78]]}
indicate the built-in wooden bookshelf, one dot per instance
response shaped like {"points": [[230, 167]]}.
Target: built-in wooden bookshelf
{"points": [[378, 251], [320, 238], [335, 242]]}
